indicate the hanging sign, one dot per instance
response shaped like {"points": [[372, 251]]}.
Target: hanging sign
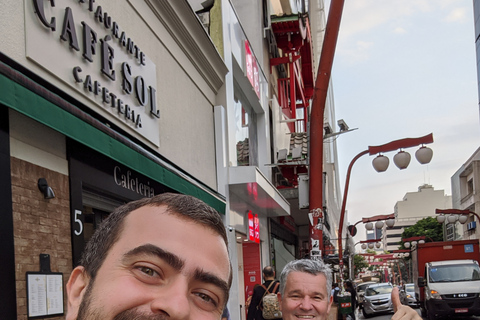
{"points": [[251, 227], [256, 226], [252, 68]]}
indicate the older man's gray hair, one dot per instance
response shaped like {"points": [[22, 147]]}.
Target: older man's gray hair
{"points": [[313, 267]]}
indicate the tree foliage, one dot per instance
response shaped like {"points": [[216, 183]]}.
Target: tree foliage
{"points": [[428, 227], [359, 263]]}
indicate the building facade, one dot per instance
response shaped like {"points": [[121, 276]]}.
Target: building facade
{"points": [[93, 103], [414, 207], [465, 182], [465, 196], [272, 49], [102, 103]]}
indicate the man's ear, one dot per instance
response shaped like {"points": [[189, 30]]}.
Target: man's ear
{"points": [[279, 297], [329, 305], [76, 287]]}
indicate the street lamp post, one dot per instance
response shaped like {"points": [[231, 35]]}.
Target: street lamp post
{"points": [[452, 212], [389, 220], [454, 215], [412, 241], [423, 155], [371, 243], [317, 126]]}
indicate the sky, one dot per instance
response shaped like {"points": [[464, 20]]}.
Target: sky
{"points": [[404, 69]]}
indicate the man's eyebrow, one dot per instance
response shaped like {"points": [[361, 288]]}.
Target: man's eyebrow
{"points": [[207, 277], [149, 249]]}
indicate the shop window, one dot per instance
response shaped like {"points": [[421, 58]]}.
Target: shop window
{"points": [[245, 135]]}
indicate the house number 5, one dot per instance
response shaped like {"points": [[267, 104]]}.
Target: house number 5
{"points": [[78, 213]]}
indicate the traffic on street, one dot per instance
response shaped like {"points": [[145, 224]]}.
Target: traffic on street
{"points": [[388, 316]]}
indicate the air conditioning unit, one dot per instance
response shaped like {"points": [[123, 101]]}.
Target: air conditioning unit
{"points": [[471, 225]]}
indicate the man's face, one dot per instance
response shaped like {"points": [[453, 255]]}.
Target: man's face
{"points": [[161, 267], [305, 297]]}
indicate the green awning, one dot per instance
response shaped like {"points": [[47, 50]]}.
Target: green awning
{"points": [[21, 99]]}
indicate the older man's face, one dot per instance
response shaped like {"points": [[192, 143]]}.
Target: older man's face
{"points": [[161, 267], [305, 297]]}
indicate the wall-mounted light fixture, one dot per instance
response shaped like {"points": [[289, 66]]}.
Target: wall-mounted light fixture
{"points": [[343, 126], [327, 128], [45, 189]]}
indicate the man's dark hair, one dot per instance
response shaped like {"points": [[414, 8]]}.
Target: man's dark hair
{"points": [[183, 206], [268, 272]]}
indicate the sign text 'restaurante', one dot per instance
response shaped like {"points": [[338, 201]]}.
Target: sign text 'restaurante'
{"points": [[94, 47]]}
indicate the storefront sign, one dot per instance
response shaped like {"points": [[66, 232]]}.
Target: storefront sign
{"points": [[256, 226], [86, 48], [253, 227], [252, 68], [128, 180]]}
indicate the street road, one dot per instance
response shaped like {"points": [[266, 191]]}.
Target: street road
{"points": [[388, 316]]}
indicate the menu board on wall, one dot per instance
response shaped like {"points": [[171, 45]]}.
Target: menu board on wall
{"points": [[44, 294]]}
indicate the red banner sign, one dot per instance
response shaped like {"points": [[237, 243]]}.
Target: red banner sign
{"points": [[251, 227], [256, 226], [252, 69]]}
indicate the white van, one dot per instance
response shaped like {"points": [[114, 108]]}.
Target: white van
{"points": [[451, 288]]}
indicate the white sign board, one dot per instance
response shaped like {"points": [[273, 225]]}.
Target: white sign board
{"points": [[88, 49], [44, 294]]}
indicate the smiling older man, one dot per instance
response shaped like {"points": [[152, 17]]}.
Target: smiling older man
{"points": [[305, 287]]}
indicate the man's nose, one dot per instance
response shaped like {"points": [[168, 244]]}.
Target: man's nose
{"points": [[173, 300], [306, 303]]}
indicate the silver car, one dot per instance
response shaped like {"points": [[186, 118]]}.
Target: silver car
{"points": [[361, 292], [377, 299], [407, 295]]}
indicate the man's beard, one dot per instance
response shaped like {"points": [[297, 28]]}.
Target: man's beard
{"points": [[87, 312]]}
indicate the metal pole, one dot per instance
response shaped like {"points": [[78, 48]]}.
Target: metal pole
{"points": [[342, 212], [316, 123]]}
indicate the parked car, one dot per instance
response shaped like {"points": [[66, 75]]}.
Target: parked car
{"points": [[377, 299], [361, 292], [407, 295]]}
